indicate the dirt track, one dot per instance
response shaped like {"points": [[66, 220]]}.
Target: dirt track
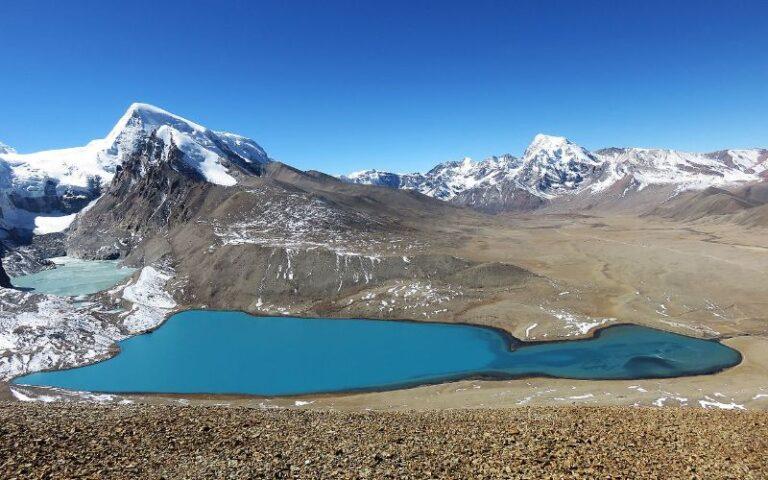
{"points": [[87, 441]]}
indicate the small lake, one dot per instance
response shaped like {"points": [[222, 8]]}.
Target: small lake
{"points": [[218, 352], [73, 277]]}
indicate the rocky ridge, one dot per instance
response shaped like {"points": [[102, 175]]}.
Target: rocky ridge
{"points": [[5, 282]]}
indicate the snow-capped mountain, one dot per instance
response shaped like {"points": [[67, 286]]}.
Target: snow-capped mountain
{"points": [[690, 171], [410, 181], [43, 191], [553, 169], [553, 165], [446, 180], [6, 149]]}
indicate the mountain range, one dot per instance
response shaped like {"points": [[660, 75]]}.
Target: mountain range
{"points": [[155, 171], [553, 171], [41, 192], [211, 221]]}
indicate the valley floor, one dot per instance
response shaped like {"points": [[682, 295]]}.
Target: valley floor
{"points": [[706, 280], [87, 441]]}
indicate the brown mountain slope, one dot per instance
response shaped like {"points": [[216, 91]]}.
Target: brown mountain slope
{"points": [[754, 217], [740, 205], [286, 240]]}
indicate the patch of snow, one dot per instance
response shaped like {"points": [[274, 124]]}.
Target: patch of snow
{"points": [[703, 329], [45, 225], [581, 397], [148, 289], [29, 398], [711, 403], [41, 332], [408, 296], [577, 324], [529, 329], [151, 303]]}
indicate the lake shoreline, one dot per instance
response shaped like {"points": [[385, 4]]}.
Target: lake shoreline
{"points": [[512, 344]]}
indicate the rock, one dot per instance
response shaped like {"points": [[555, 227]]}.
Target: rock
{"points": [[156, 441], [5, 281]]}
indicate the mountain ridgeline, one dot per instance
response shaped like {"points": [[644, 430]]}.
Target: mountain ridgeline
{"points": [[157, 178], [555, 173]]}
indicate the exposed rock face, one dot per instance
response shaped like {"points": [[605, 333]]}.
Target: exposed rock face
{"points": [[32, 256], [503, 197], [279, 239], [51, 200], [151, 191], [5, 282]]}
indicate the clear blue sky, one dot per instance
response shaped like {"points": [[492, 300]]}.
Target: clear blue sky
{"points": [[340, 86]]}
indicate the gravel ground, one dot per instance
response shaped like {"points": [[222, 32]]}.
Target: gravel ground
{"points": [[133, 441]]}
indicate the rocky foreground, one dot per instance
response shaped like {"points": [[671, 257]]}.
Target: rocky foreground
{"points": [[87, 441]]}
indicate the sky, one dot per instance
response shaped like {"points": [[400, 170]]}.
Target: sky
{"points": [[339, 86]]}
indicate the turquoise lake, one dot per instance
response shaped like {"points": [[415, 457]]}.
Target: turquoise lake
{"points": [[221, 352], [73, 277]]}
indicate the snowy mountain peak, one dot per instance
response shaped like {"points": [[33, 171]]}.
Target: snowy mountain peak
{"points": [[362, 173], [142, 119], [554, 146], [445, 180], [148, 118], [543, 140], [6, 149], [58, 183], [554, 167]]}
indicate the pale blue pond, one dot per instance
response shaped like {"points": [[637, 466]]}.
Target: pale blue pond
{"points": [[219, 352], [73, 277]]}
